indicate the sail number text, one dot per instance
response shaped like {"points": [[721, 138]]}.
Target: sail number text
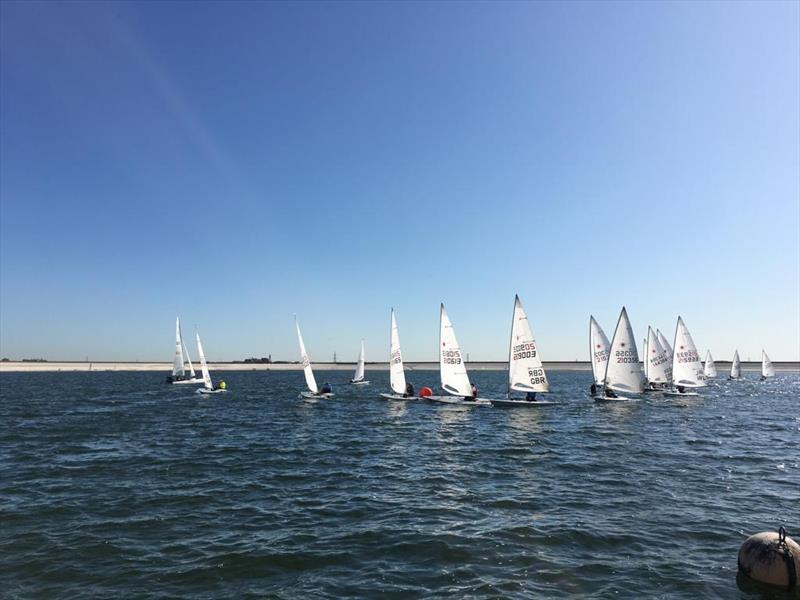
{"points": [[524, 350], [451, 357], [626, 356]]}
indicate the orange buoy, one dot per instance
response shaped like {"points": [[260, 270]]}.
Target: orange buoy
{"points": [[425, 392]]}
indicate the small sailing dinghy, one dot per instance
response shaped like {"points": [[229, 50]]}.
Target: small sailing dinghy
{"points": [[598, 351], [452, 371], [657, 365], [178, 369], [665, 345], [358, 377], [623, 370], [767, 370], [709, 368], [313, 391], [208, 386], [736, 367], [687, 370], [397, 377], [525, 371]]}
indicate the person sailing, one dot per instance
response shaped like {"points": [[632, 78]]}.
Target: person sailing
{"points": [[610, 393], [530, 396], [409, 391], [593, 389], [474, 394]]}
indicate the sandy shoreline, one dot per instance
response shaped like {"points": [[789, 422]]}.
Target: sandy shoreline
{"points": [[30, 367]]}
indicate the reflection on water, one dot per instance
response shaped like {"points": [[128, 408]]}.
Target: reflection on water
{"points": [[122, 485]]}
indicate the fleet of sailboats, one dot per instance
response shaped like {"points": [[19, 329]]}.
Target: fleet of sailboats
{"points": [[178, 362], [616, 367]]}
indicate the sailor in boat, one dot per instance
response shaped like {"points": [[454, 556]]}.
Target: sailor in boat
{"points": [[530, 396], [474, 394], [326, 389], [681, 389], [593, 389], [174, 378], [762, 378], [409, 391], [610, 393]]}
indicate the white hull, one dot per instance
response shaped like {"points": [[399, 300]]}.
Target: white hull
{"points": [[188, 381], [521, 402], [607, 399], [206, 392], [313, 396], [362, 382], [459, 400], [677, 393], [399, 397]]}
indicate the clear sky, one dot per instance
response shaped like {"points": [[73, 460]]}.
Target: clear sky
{"points": [[237, 163]]}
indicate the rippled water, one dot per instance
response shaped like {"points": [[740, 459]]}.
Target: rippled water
{"points": [[115, 485]]}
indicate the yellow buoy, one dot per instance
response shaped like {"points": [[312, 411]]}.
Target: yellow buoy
{"points": [[222, 385], [772, 558]]}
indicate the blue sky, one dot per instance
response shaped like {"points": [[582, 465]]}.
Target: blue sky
{"points": [[237, 163]]}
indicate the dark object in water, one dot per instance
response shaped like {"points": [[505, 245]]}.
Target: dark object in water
{"points": [[772, 558]]}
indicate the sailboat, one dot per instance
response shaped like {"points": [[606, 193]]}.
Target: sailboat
{"points": [[208, 386], [687, 370], [311, 383], [358, 377], [455, 380], [397, 377], [525, 370], [599, 347], [665, 345], [623, 370], [709, 369], [178, 369], [767, 370], [657, 369], [736, 367]]}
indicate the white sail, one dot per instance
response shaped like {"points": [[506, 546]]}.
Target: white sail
{"points": [[598, 350], [709, 369], [623, 369], [177, 361], [665, 345], [451, 366], [397, 378], [767, 370], [203, 366], [687, 370], [310, 381], [736, 369], [186, 352], [525, 371], [359, 374], [658, 368], [645, 355]]}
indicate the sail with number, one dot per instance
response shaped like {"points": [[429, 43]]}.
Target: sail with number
{"points": [[203, 366], [665, 345], [598, 350], [177, 361], [452, 370], [310, 381], [709, 369], [397, 378], [736, 368], [656, 361], [687, 370], [767, 370], [359, 374], [525, 371], [623, 370]]}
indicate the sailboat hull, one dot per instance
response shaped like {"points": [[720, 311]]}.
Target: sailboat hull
{"points": [[362, 382], [515, 402], [187, 381], [206, 392], [459, 400], [677, 393], [608, 399], [399, 397], [313, 396]]}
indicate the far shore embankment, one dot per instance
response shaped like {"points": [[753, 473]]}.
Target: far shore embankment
{"points": [[55, 366]]}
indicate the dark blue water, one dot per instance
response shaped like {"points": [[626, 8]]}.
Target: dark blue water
{"points": [[115, 485]]}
